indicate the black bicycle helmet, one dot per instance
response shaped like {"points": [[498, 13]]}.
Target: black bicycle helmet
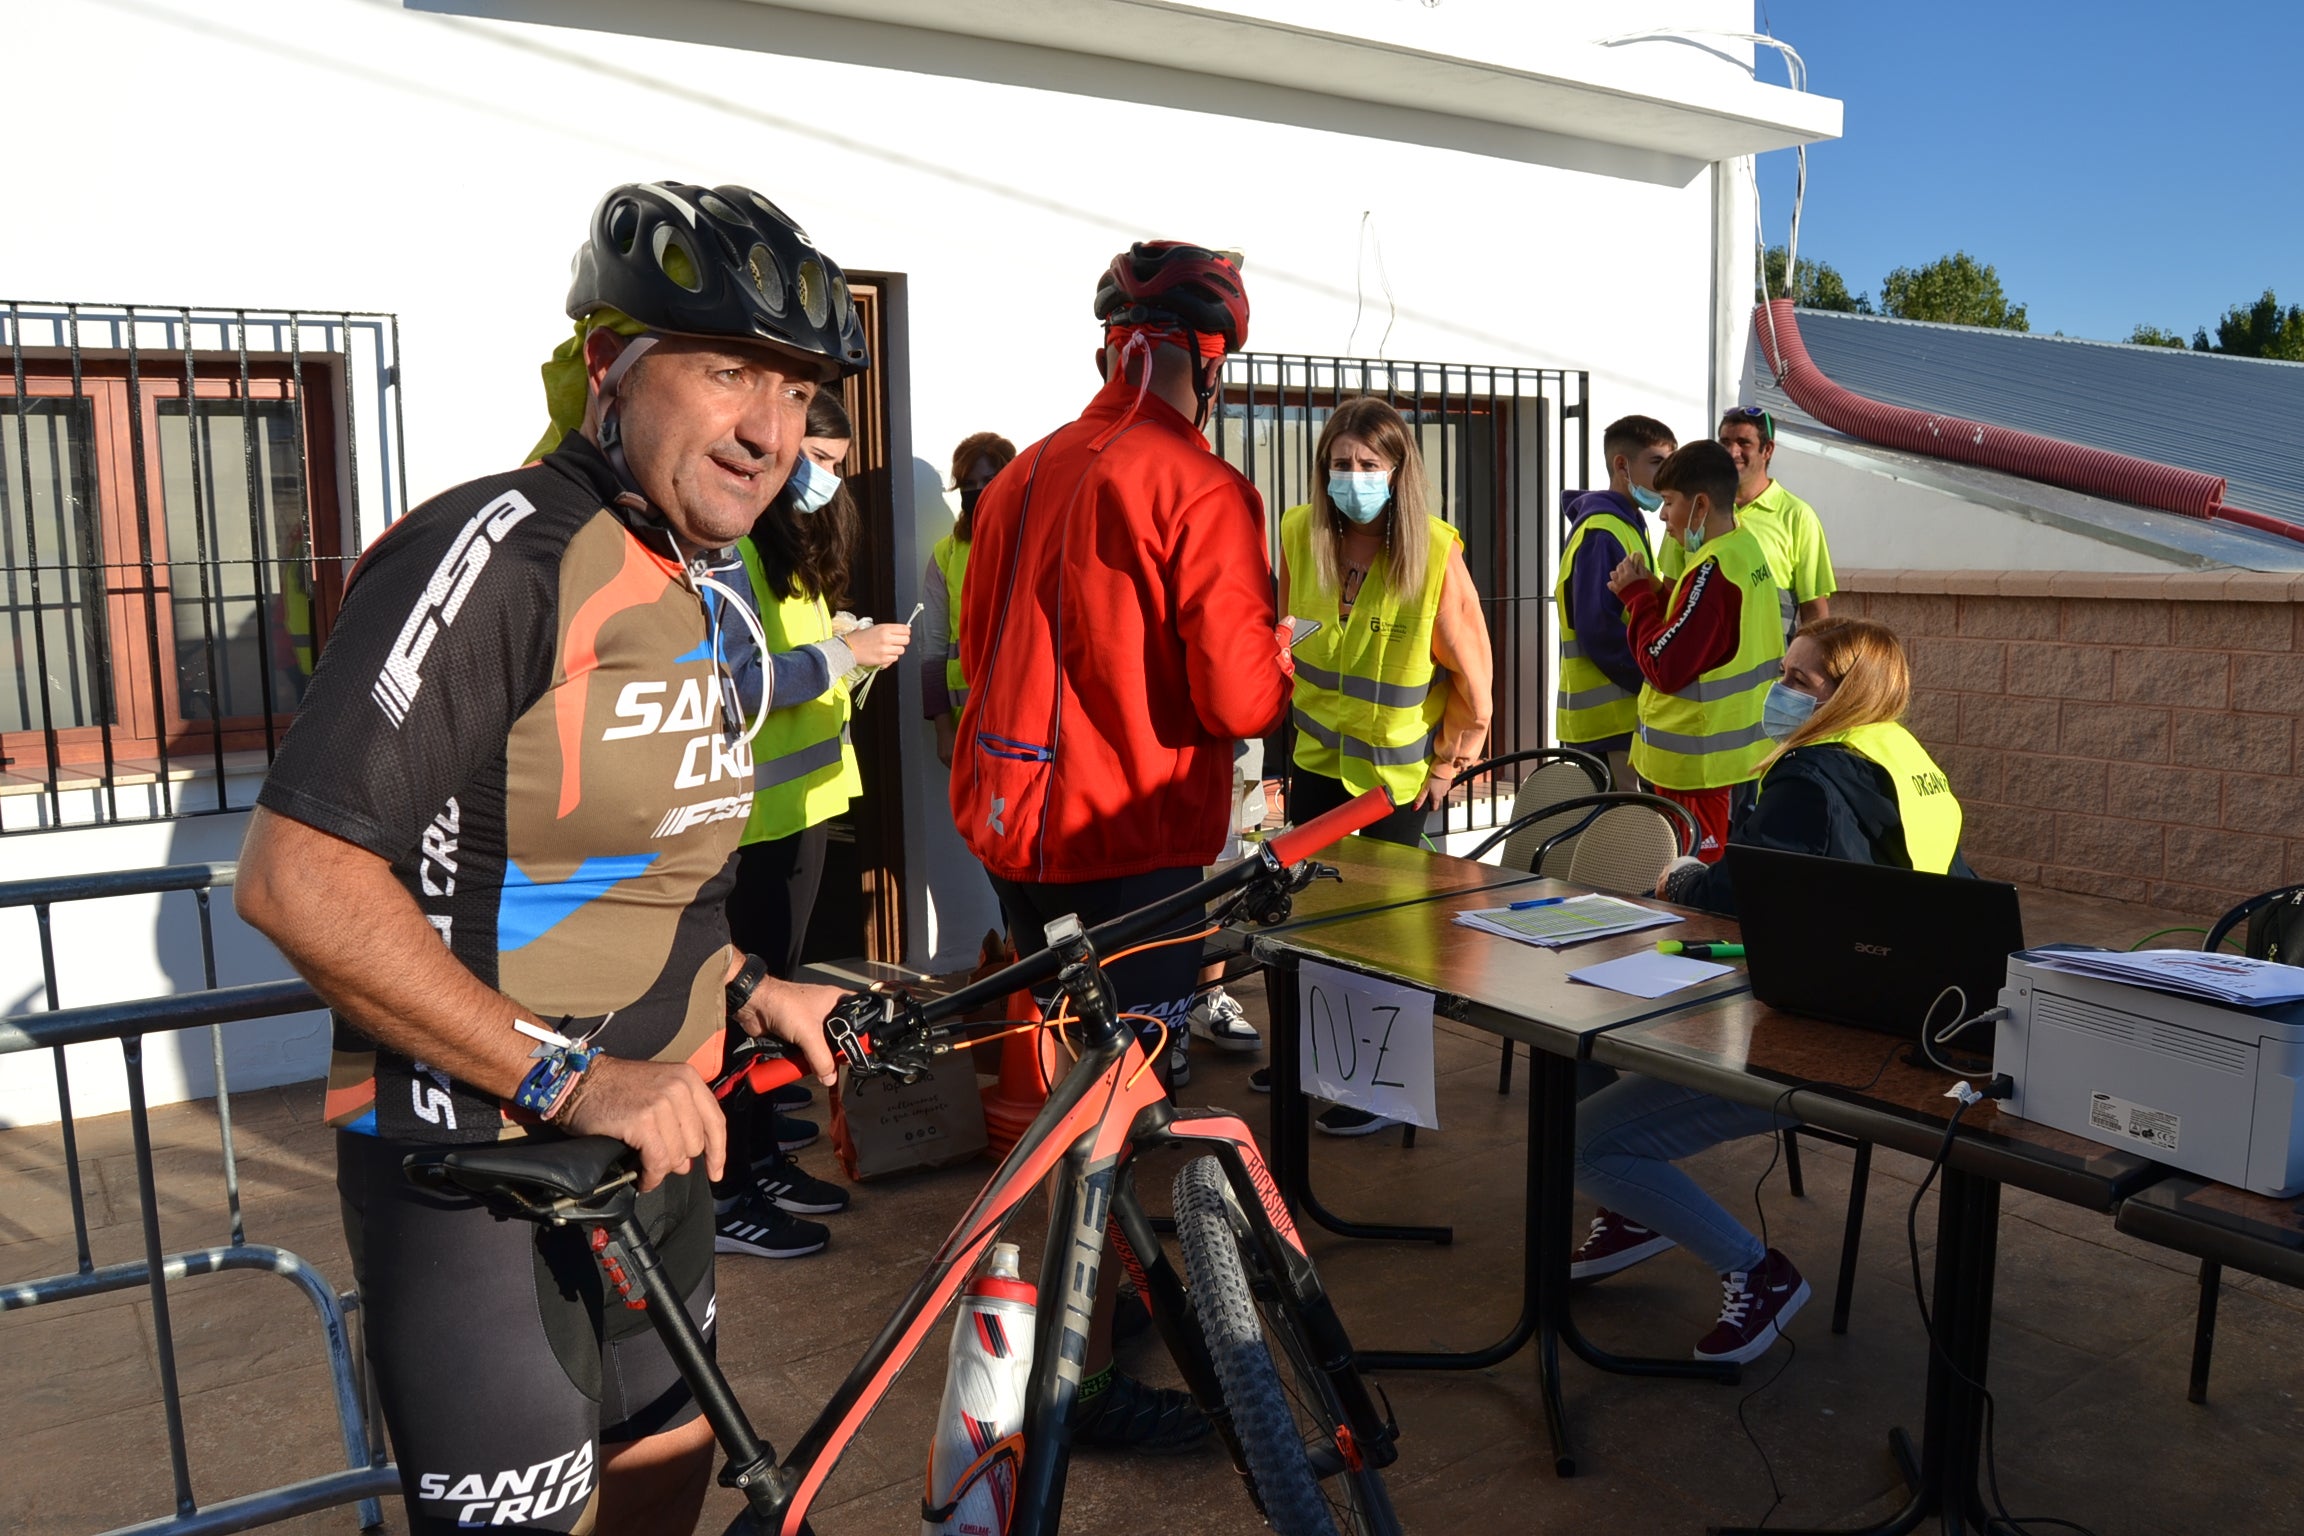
{"points": [[716, 261], [1155, 280]]}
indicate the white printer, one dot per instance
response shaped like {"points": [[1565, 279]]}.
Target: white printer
{"points": [[2211, 1089]]}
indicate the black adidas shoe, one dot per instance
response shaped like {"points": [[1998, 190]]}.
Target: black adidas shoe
{"points": [[755, 1227], [1130, 1416], [786, 1185]]}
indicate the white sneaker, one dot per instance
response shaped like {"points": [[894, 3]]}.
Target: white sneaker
{"points": [[1220, 1020]]}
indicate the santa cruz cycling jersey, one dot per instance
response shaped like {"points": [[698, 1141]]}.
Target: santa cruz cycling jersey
{"points": [[519, 710]]}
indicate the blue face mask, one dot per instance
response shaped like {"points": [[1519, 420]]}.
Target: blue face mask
{"points": [[1645, 499], [1785, 711], [1360, 496], [1693, 537], [812, 485]]}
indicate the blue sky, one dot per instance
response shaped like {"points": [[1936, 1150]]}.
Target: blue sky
{"points": [[2118, 162]]}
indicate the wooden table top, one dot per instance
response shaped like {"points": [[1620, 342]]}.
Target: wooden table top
{"points": [[1377, 875], [1518, 990], [2263, 1234], [1742, 1049]]}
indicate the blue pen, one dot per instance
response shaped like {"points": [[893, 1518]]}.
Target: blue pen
{"points": [[1541, 901]]}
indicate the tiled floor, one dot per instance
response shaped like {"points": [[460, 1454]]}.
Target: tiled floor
{"points": [[2091, 1337]]}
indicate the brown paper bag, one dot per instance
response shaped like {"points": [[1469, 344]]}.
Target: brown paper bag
{"points": [[880, 1126]]}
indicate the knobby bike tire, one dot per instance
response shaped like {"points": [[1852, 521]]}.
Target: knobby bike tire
{"points": [[1280, 1423]]}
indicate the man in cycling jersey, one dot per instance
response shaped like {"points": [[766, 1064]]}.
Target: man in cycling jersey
{"points": [[1117, 634], [503, 821]]}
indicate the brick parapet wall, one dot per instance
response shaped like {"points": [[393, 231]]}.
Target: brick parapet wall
{"points": [[2137, 737]]}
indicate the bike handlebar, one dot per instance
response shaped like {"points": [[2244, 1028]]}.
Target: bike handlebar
{"points": [[1271, 858]]}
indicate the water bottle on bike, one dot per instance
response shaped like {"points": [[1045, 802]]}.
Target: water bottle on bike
{"points": [[979, 1442]]}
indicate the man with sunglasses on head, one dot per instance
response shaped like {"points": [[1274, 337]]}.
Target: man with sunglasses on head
{"points": [[497, 842], [1786, 526]]}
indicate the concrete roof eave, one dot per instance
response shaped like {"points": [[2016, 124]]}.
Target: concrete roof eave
{"points": [[1527, 93]]}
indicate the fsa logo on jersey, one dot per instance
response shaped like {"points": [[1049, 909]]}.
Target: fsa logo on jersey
{"points": [[451, 583], [512, 1497], [704, 812]]}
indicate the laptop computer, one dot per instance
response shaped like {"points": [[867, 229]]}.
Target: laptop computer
{"points": [[1872, 945]]}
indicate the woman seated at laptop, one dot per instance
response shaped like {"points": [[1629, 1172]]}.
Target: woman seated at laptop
{"points": [[1846, 782]]}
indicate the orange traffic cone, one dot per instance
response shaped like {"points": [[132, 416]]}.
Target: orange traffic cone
{"points": [[1028, 1064]]}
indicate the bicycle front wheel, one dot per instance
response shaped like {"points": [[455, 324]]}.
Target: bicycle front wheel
{"points": [[1305, 1473]]}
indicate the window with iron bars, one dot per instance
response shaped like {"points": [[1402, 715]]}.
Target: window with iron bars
{"points": [[1500, 444], [181, 493]]}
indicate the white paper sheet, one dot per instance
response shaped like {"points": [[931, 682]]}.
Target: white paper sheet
{"points": [[1648, 974]]}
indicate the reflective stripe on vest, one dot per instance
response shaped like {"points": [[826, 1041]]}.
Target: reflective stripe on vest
{"points": [[1924, 799], [1708, 735], [1589, 705], [1368, 696], [951, 557], [804, 767]]}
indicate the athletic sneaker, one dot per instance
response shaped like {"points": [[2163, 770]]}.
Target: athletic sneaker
{"points": [[791, 1134], [751, 1225], [1223, 1023], [784, 1184], [1615, 1242], [1755, 1305], [1127, 1415], [1260, 1080], [790, 1096], [1179, 1062], [1343, 1120]]}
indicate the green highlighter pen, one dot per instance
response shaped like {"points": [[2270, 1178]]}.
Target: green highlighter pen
{"points": [[1700, 951]]}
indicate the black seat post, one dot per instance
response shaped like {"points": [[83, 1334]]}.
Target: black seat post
{"points": [[751, 1460]]}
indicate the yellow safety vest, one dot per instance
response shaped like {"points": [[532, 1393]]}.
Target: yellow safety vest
{"points": [[1368, 696], [1924, 799], [950, 556], [1588, 705], [804, 768], [1708, 735]]}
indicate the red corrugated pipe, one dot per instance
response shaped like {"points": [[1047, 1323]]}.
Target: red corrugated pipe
{"points": [[2074, 466]]}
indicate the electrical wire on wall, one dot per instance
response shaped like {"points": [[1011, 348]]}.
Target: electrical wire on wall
{"points": [[1796, 71], [1367, 235]]}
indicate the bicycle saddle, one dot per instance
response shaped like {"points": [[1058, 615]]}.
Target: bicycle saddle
{"points": [[522, 1177]]}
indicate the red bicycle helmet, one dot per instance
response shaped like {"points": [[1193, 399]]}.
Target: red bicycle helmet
{"points": [[1170, 280]]}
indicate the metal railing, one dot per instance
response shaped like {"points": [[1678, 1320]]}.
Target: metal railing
{"points": [[367, 1475], [1499, 443], [181, 494]]}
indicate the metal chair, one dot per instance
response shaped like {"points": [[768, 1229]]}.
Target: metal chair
{"points": [[1549, 775], [1621, 832]]}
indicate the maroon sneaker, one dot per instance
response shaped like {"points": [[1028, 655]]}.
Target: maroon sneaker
{"points": [[1755, 1305], [1616, 1242]]}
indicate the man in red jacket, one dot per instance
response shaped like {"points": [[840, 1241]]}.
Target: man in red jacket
{"points": [[1117, 634]]}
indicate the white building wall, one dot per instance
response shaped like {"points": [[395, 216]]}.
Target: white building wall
{"points": [[348, 154]]}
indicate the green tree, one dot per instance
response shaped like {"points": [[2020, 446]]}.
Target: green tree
{"points": [[2153, 336], [1956, 288], [1821, 286], [2261, 329]]}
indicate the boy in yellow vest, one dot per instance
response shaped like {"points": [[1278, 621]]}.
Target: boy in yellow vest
{"points": [[1594, 704], [1708, 646]]}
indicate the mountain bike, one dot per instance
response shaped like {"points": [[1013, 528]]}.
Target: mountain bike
{"points": [[1253, 1334]]}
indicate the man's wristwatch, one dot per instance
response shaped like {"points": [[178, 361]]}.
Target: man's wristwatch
{"points": [[745, 982]]}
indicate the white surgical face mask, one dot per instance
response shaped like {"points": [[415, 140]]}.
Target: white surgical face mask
{"points": [[1360, 495]]}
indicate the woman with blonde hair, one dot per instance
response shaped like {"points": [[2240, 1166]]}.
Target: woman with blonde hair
{"points": [[1393, 667], [1846, 781]]}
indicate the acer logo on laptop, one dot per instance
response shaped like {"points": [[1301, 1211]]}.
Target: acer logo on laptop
{"points": [[1863, 948]]}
